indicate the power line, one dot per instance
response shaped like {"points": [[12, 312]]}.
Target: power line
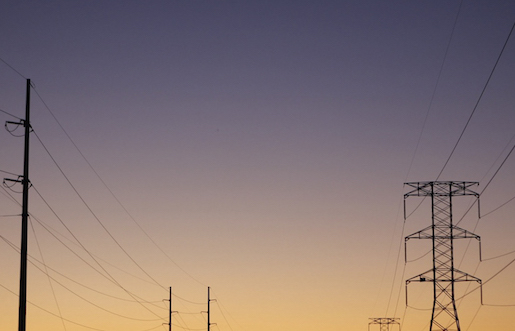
{"points": [[72, 280], [498, 169], [112, 193], [499, 207], [49, 312], [185, 300], [465, 127], [221, 305], [107, 275], [480, 194], [10, 197], [469, 119], [488, 280], [505, 203], [114, 196], [400, 289], [436, 85], [508, 144], [415, 152], [93, 213], [498, 256], [9, 173], [474, 317], [3, 111], [98, 306], [223, 315], [46, 272], [396, 268], [69, 290], [10, 66], [478, 100], [486, 186]]}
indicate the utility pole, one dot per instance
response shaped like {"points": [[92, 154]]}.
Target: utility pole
{"points": [[384, 323], [24, 180], [170, 311], [208, 312], [22, 313], [442, 233], [208, 309]]}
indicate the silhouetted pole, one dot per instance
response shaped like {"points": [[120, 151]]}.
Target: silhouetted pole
{"points": [[24, 219], [170, 312], [208, 313], [208, 309]]}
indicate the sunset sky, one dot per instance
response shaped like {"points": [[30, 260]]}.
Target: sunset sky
{"points": [[258, 148]]}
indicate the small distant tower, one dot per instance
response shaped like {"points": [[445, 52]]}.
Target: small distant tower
{"points": [[442, 233], [384, 323]]}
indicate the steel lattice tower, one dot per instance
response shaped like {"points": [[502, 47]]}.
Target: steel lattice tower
{"points": [[384, 323], [442, 232]]}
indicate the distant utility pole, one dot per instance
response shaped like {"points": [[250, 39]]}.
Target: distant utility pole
{"points": [[384, 323], [442, 233], [208, 311], [24, 180], [170, 311]]}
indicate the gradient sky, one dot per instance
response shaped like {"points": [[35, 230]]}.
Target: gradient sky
{"points": [[263, 147]]}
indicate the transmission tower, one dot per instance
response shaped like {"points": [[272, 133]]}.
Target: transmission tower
{"points": [[442, 233], [384, 323]]}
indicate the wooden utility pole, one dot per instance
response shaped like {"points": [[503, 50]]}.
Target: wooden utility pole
{"points": [[22, 313]]}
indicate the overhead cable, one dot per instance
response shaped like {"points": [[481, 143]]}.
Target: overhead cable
{"points": [[46, 272], [107, 275], [94, 214], [3, 111], [478, 100], [49, 312], [112, 193], [10, 66]]}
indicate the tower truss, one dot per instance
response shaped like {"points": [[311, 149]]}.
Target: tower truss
{"points": [[384, 323], [442, 233]]}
